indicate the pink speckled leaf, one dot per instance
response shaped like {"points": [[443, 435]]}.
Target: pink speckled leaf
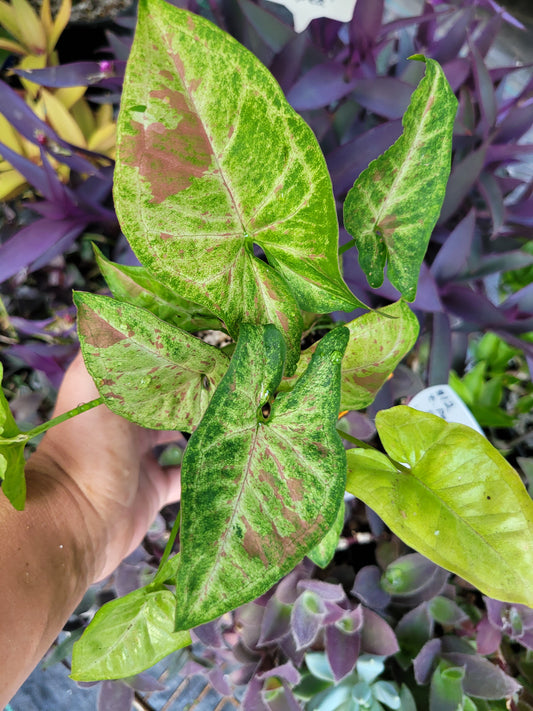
{"points": [[259, 492], [145, 369], [394, 204], [378, 342], [211, 160]]}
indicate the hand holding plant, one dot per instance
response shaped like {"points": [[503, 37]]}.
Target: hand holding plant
{"points": [[111, 471], [94, 488]]}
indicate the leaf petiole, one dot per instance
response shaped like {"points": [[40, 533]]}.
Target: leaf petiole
{"points": [[84, 407]]}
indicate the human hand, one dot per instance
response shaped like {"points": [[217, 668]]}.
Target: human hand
{"points": [[107, 463]]}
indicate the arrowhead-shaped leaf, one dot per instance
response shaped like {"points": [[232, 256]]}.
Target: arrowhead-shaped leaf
{"points": [[12, 443], [394, 204], [259, 492], [127, 636], [135, 285], [457, 501], [211, 159], [378, 342], [145, 369]]}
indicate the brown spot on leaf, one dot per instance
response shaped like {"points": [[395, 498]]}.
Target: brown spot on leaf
{"points": [[97, 332], [169, 158]]}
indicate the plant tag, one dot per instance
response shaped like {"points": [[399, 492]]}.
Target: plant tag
{"points": [[443, 401], [303, 11]]}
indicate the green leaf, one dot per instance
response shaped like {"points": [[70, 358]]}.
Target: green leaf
{"points": [[135, 285], [212, 159], [394, 204], [145, 369], [127, 636], [12, 442], [378, 342], [456, 501], [259, 490], [322, 554], [446, 690]]}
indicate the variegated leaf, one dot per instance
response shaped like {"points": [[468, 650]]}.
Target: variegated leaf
{"points": [[262, 484], [145, 369], [211, 160], [394, 204]]}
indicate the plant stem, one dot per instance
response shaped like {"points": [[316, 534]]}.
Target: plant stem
{"points": [[354, 440], [347, 246], [359, 443], [158, 578], [30, 434], [171, 539]]}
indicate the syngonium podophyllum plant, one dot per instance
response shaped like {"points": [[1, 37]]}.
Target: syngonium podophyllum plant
{"points": [[212, 164]]}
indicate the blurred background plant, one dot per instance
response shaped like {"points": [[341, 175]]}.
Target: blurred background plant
{"points": [[378, 627]]}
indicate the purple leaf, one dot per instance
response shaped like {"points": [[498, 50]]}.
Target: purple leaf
{"points": [[33, 327], [145, 683], [288, 647], [209, 634], [62, 244], [457, 71], [276, 622], [425, 661], [29, 125], [248, 619], [516, 122], [488, 637], [484, 91], [120, 45], [287, 64], [321, 86], [74, 74], [427, 292], [287, 672], [462, 178], [415, 629], [425, 19], [501, 262], [452, 257], [482, 679], [508, 152], [307, 616], [377, 637], [219, 681], [365, 25], [272, 31], [449, 46], [490, 190], [367, 587], [61, 195], [385, 96], [343, 643], [252, 699], [346, 162], [50, 360], [504, 14], [115, 696], [522, 300], [34, 174], [485, 38], [28, 245], [476, 309], [413, 578], [326, 591]]}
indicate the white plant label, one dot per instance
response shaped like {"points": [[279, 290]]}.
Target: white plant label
{"points": [[443, 401], [303, 11]]}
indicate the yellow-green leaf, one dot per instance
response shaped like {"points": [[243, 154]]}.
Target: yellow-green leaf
{"points": [[454, 499]]}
